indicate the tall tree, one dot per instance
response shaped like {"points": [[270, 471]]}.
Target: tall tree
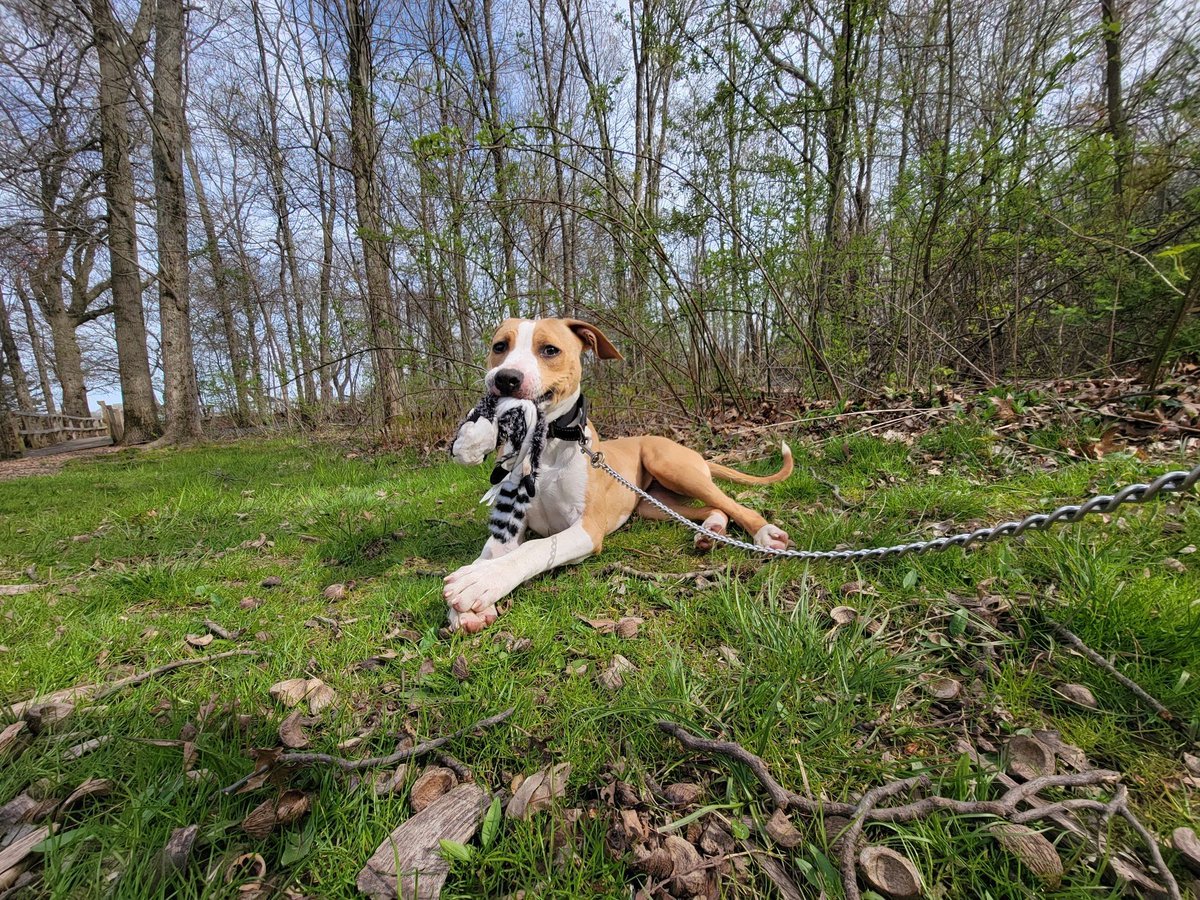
{"points": [[115, 51], [182, 398], [364, 152]]}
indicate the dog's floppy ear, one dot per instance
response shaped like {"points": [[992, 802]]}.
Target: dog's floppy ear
{"points": [[593, 338]]}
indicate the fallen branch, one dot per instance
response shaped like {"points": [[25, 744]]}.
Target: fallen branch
{"points": [[780, 796], [621, 569], [119, 685], [1008, 806], [865, 807], [100, 691], [1073, 640], [353, 765]]}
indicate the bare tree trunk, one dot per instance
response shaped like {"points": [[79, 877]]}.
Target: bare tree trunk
{"points": [[238, 362], [9, 344], [364, 148], [179, 365], [39, 351], [133, 362], [1111, 23], [301, 349]]}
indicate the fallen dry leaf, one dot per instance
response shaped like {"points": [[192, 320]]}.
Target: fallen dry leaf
{"points": [[683, 793], [93, 787], [296, 690], [431, 784], [688, 877], [1077, 693], [12, 739], [1028, 757], [604, 626], [613, 678], [199, 641], [627, 627], [890, 873], [285, 809], [538, 791], [291, 730], [1032, 848]]}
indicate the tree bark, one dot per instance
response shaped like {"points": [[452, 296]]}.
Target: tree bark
{"points": [[15, 369], [39, 351], [364, 149], [133, 361], [179, 365]]}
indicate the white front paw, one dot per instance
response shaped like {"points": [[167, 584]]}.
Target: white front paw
{"points": [[482, 584], [474, 441]]}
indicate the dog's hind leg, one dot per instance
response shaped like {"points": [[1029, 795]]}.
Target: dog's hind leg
{"points": [[685, 472], [714, 520]]}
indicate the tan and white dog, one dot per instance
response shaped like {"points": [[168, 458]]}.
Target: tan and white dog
{"points": [[576, 505]]}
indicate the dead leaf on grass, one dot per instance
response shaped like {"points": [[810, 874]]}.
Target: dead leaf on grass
{"points": [[538, 791], [93, 787], [430, 785], [627, 627], [199, 641], [1028, 757], [1078, 694], [270, 814], [296, 690], [291, 730], [603, 626], [613, 678], [12, 739], [1033, 849], [890, 873]]}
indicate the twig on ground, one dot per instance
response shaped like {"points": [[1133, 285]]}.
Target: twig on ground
{"points": [[780, 796], [868, 810], [457, 766], [1073, 640], [621, 569], [100, 691], [223, 633], [353, 765], [833, 489], [865, 807]]}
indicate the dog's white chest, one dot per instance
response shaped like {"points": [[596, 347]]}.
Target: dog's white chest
{"points": [[561, 490]]}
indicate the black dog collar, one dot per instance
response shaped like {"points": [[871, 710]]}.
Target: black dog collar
{"points": [[571, 425]]}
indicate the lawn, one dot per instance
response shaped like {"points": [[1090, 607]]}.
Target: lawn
{"points": [[136, 550]]}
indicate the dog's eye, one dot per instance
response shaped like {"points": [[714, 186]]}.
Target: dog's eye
{"points": [[550, 350], [499, 346]]}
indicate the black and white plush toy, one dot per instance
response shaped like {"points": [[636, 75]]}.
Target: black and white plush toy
{"points": [[516, 429]]}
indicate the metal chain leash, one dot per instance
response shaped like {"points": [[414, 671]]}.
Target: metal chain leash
{"points": [[1171, 482]]}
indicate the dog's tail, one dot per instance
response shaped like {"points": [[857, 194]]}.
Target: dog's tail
{"points": [[727, 474]]}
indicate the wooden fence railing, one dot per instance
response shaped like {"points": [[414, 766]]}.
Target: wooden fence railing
{"points": [[35, 430]]}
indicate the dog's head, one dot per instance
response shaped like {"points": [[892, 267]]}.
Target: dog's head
{"points": [[540, 359]]}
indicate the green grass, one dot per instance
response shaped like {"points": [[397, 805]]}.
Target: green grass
{"points": [[137, 549]]}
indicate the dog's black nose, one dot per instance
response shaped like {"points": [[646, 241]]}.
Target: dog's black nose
{"points": [[508, 381]]}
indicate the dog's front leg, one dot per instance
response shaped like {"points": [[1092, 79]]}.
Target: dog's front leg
{"points": [[473, 591]]}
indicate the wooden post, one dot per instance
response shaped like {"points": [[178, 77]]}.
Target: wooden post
{"points": [[10, 442]]}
